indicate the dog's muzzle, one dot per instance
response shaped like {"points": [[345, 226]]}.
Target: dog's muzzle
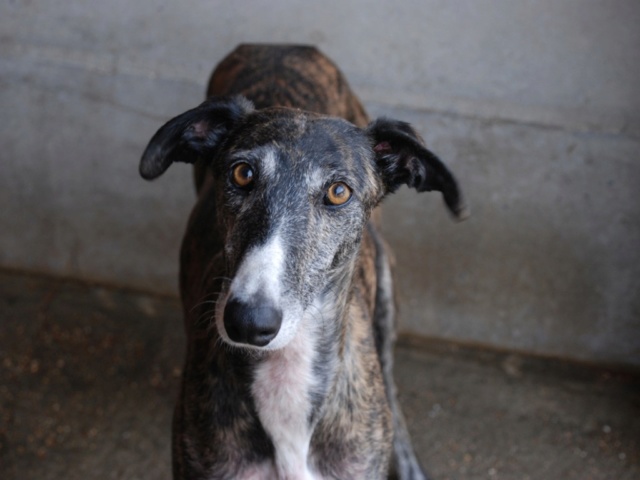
{"points": [[251, 324]]}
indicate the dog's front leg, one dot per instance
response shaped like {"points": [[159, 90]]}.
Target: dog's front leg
{"points": [[405, 465]]}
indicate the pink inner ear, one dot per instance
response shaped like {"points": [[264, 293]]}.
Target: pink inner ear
{"points": [[200, 128], [382, 147]]}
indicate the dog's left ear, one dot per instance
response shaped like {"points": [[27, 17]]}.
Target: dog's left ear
{"points": [[403, 159]]}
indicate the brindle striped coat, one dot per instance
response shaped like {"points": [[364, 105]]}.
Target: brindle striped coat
{"points": [[318, 401]]}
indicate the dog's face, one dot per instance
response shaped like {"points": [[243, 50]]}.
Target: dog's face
{"points": [[294, 191]]}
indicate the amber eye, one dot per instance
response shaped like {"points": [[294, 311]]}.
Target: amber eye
{"points": [[338, 194], [242, 175]]}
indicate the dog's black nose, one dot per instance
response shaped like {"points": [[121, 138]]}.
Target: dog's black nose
{"points": [[250, 324]]}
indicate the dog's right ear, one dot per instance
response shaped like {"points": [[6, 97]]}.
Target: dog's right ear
{"points": [[195, 133]]}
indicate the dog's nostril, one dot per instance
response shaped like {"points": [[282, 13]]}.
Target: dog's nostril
{"points": [[251, 324]]}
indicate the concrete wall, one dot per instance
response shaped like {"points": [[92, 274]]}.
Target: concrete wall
{"points": [[534, 104]]}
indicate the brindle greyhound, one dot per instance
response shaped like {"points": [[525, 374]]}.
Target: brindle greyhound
{"points": [[285, 281]]}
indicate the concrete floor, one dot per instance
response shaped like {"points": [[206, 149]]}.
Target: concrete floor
{"points": [[88, 377]]}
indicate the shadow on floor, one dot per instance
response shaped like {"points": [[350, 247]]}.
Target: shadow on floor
{"points": [[88, 377]]}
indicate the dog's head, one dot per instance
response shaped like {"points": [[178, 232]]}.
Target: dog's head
{"points": [[294, 191]]}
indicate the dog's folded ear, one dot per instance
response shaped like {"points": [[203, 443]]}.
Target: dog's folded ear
{"points": [[197, 132], [403, 159]]}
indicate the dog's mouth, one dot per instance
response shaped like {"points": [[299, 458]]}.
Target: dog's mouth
{"points": [[253, 311]]}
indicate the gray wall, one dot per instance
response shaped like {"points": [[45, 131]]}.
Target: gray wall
{"points": [[534, 104]]}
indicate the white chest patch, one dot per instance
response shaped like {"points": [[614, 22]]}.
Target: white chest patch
{"points": [[282, 392]]}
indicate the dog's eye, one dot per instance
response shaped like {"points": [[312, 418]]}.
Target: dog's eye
{"points": [[242, 175], [338, 194]]}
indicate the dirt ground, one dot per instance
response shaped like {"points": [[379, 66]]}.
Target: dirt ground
{"points": [[88, 377]]}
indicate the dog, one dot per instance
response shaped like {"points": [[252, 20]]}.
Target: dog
{"points": [[285, 281]]}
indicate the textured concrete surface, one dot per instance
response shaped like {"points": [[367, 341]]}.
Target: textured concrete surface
{"points": [[88, 377], [549, 260], [535, 105]]}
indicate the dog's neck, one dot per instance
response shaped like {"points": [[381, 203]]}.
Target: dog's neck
{"points": [[291, 385]]}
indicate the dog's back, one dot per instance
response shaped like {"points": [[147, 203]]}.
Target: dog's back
{"points": [[293, 76]]}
